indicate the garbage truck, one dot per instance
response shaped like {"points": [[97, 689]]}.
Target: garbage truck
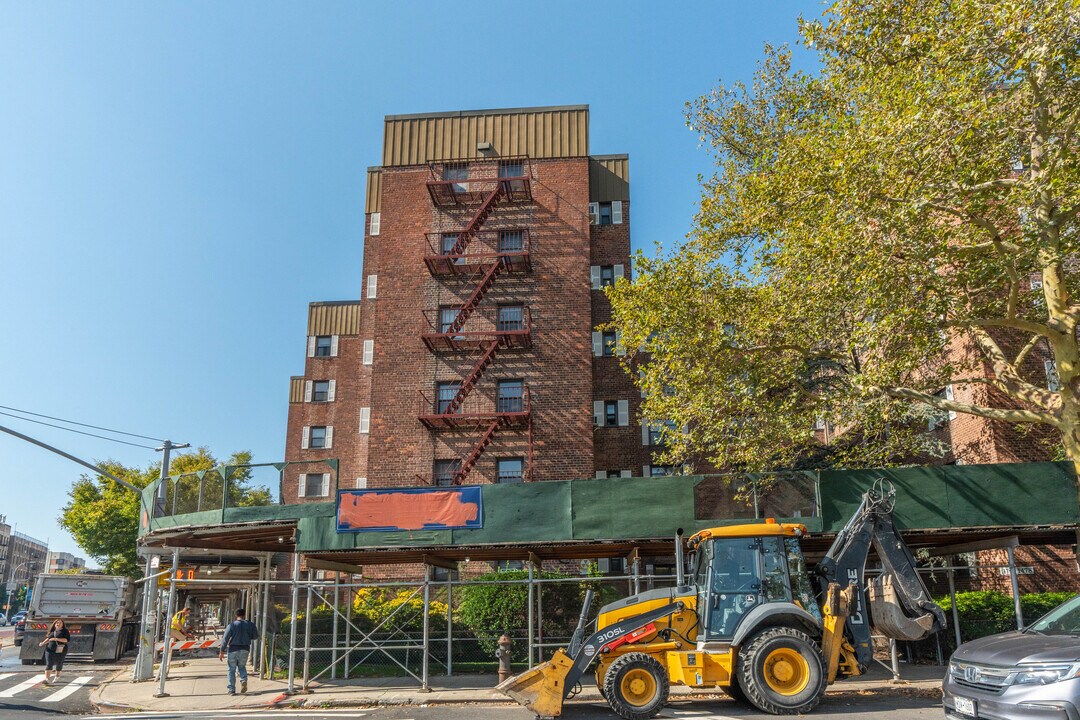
{"points": [[749, 618], [101, 613]]}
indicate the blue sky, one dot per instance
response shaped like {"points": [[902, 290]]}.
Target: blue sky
{"points": [[179, 180]]}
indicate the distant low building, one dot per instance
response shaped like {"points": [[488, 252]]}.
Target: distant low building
{"points": [[60, 561], [22, 558]]}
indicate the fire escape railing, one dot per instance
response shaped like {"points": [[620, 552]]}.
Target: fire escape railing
{"points": [[508, 247], [478, 257]]}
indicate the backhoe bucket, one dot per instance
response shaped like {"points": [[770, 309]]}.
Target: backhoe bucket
{"points": [[889, 616], [541, 689]]}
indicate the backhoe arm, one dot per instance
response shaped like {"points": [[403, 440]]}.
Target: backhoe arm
{"points": [[899, 605]]}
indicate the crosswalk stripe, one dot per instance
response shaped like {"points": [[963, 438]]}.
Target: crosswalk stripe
{"points": [[25, 685], [71, 688], [5, 676]]}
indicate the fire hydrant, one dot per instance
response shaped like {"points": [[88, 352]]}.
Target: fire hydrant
{"points": [[503, 654]]}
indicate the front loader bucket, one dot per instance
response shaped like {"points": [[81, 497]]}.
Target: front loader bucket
{"points": [[541, 689], [889, 617]]}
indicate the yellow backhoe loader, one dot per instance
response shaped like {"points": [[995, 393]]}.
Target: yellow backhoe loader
{"points": [[749, 619]]}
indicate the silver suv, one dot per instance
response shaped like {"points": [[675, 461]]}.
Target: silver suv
{"points": [[1033, 674]]}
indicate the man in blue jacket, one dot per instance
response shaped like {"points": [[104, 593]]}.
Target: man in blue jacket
{"points": [[237, 644]]}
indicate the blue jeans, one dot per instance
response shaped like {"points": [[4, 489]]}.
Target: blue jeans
{"points": [[237, 660]]}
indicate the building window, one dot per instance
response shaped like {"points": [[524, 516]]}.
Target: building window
{"points": [[511, 318], [509, 565], [605, 213], [662, 470], [610, 341], [447, 243], [320, 391], [445, 393], [365, 420], [511, 241], [611, 413], [447, 315], [607, 275], [1053, 380], [441, 574], [458, 171], [369, 352], [315, 485], [511, 169], [323, 345], [511, 470], [445, 470], [317, 439], [511, 396]]}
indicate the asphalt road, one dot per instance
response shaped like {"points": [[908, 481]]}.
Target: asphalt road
{"points": [[25, 696], [840, 707]]}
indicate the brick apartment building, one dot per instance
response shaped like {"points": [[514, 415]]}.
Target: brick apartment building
{"points": [[473, 355]]}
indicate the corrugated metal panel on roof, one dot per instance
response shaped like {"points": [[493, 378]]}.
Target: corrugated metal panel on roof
{"points": [[535, 132], [609, 178], [373, 201], [296, 389], [337, 318]]}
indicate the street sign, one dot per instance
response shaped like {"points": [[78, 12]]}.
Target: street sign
{"points": [[155, 562]]}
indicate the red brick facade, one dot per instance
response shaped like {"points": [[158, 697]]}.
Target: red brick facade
{"points": [[577, 226]]}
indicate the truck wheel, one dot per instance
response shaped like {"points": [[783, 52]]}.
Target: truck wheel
{"points": [[636, 686], [781, 671], [733, 690]]}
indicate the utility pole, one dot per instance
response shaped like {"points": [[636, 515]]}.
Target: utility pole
{"points": [[144, 664], [166, 447]]}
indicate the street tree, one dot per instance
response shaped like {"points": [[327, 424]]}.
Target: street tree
{"points": [[103, 517], [886, 237]]}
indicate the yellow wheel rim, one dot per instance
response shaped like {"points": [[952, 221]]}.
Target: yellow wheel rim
{"points": [[786, 671], [638, 687]]}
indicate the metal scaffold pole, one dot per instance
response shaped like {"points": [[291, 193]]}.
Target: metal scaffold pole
{"points": [[307, 633], [292, 622], [144, 661], [425, 686], [449, 625], [166, 654], [334, 628], [532, 609]]}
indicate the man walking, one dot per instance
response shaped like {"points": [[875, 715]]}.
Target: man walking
{"points": [[237, 644]]}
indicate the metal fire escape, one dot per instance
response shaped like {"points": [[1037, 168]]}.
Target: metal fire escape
{"points": [[469, 328]]}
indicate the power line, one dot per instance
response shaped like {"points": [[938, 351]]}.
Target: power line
{"points": [[72, 422], [80, 432]]}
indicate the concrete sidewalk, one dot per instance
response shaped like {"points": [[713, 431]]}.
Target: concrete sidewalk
{"points": [[199, 684]]}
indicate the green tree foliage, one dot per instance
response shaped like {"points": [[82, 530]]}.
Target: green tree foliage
{"points": [[497, 608], [918, 192], [103, 517]]}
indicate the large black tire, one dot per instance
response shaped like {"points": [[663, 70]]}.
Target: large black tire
{"points": [[733, 691], [781, 671], [636, 686]]}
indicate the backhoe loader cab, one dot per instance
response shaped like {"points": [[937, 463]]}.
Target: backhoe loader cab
{"points": [[749, 618], [748, 569]]}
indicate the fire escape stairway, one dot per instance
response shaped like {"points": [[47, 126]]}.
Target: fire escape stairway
{"points": [[474, 455], [466, 235], [487, 279], [473, 377]]}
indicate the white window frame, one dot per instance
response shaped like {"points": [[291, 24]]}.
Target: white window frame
{"points": [[594, 213], [305, 438], [372, 287], [369, 352], [624, 413], [311, 346], [308, 390], [365, 420], [361, 483], [1053, 379], [616, 212], [333, 345], [376, 223], [594, 276]]}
